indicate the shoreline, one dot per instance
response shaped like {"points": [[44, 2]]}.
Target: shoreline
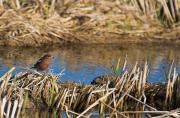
{"points": [[85, 23], [120, 42]]}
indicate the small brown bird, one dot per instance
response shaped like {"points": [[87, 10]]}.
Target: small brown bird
{"points": [[43, 63]]}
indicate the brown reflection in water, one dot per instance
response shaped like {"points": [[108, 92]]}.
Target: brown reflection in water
{"points": [[108, 54], [74, 56], [22, 56], [38, 113]]}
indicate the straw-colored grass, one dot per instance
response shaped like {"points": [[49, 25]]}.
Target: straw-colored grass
{"points": [[37, 23], [128, 91]]}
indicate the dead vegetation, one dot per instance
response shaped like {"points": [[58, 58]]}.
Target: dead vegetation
{"points": [[44, 22], [126, 95]]}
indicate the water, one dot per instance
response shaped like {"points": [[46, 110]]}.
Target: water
{"points": [[82, 63]]}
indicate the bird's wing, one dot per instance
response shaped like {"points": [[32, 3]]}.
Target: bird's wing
{"points": [[39, 61]]}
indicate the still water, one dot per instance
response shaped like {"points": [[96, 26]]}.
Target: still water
{"points": [[84, 62]]}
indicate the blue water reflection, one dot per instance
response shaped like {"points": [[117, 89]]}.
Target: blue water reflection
{"points": [[83, 63]]}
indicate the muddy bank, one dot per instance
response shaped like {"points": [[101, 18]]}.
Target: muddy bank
{"points": [[84, 22]]}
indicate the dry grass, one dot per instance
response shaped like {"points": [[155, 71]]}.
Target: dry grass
{"points": [[127, 92], [36, 24]]}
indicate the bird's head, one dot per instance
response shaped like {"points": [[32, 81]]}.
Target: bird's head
{"points": [[48, 56]]}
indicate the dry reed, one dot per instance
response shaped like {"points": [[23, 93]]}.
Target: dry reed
{"points": [[80, 100], [37, 23]]}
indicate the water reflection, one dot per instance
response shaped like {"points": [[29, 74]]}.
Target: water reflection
{"points": [[84, 62], [38, 113]]}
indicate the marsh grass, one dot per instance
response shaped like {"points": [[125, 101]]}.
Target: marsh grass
{"points": [[127, 93], [37, 23]]}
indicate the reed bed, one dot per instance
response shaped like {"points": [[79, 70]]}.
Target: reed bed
{"points": [[122, 95], [37, 23]]}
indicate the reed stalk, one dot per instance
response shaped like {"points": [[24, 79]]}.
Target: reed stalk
{"points": [[42, 90]]}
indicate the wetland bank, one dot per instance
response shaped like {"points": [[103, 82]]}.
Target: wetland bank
{"points": [[45, 22], [112, 58]]}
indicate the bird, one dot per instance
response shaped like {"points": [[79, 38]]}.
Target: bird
{"points": [[43, 63]]}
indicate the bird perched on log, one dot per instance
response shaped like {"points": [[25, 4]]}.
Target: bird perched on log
{"points": [[43, 63]]}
